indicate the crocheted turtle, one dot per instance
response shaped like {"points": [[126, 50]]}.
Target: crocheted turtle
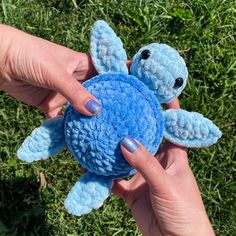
{"points": [[130, 106]]}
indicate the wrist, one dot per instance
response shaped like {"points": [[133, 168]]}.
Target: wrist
{"points": [[201, 226], [205, 228]]}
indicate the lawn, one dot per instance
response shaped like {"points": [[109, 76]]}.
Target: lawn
{"points": [[31, 196]]}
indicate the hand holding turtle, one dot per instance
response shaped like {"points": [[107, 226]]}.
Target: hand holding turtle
{"points": [[44, 74], [164, 198], [131, 106]]}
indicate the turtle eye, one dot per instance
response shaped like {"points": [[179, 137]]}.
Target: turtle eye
{"points": [[178, 83], [145, 54]]}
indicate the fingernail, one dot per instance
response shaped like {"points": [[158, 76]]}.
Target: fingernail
{"points": [[93, 106], [130, 144]]}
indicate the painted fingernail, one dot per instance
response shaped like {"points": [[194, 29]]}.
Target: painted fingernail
{"points": [[93, 106], [130, 144]]}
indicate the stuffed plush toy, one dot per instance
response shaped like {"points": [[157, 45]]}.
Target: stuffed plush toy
{"points": [[130, 106]]}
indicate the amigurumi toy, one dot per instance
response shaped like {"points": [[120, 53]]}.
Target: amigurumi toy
{"points": [[130, 106]]}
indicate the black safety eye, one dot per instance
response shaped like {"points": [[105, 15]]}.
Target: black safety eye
{"points": [[145, 54], [178, 83]]}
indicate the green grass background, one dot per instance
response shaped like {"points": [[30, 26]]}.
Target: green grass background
{"points": [[204, 33]]}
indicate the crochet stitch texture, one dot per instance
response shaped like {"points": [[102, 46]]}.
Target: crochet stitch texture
{"points": [[107, 49], [159, 72], [129, 108], [190, 128]]}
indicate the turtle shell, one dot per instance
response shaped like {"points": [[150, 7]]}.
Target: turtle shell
{"points": [[128, 108]]}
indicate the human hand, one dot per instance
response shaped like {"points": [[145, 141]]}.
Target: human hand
{"points": [[44, 74], [163, 196], [164, 199]]}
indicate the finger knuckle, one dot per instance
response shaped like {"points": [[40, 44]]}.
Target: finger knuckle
{"points": [[150, 163]]}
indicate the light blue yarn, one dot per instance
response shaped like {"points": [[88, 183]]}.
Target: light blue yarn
{"points": [[107, 50], [45, 141], [160, 71], [131, 106], [87, 194], [190, 129]]}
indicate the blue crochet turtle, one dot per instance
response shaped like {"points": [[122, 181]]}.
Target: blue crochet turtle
{"points": [[130, 106]]}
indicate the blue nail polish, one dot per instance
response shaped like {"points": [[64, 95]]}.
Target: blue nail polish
{"points": [[130, 144], [93, 106]]}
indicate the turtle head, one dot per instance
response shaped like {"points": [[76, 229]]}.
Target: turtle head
{"points": [[161, 69]]}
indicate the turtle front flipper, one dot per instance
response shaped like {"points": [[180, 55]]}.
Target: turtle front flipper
{"points": [[88, 193], [189, 129], [108, 54], [44, 141]]}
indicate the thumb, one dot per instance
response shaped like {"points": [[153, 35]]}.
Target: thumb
{"points": [[77, 95], [147, 165]]}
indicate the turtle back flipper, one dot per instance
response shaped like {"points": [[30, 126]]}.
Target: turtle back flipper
{"points": [[108, 54], [88, 193], [44, 141], [189, 129]]}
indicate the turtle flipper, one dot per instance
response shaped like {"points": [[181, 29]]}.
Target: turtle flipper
{"points": [[189, 129], [88, 193], [44, 141], [107, 50]]}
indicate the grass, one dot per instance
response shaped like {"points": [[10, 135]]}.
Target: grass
{"points": [[204, 33]]}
